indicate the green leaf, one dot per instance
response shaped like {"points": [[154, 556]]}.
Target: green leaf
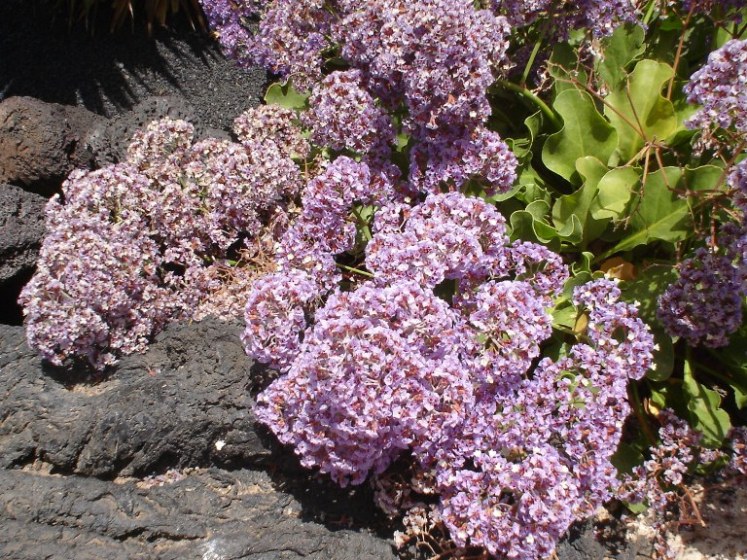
{"points": [[663, 356], [660, 215], [584, 264], [703, 178], [704, 406], [637, 109], [526, 226], [286, 96], [578, 204], [401, 141], [531, 224], [585, 132], [614, 192], [740, 398], [626, 458], [650, 283], [734, 358], [620, 49], [563, 65], [564, 315]]}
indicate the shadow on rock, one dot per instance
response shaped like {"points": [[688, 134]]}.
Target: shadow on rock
{"points": [[109, 73]]}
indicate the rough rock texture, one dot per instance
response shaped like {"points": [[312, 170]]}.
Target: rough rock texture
{"points": [[168, 408], [21, 231], [212, 515], [606, 540], [112, 144], [185, 403], [40, 143], [110, 73]]}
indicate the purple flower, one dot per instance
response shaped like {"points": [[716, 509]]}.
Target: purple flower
{"points": [[720, 86], [344, 115], [704, 305]]}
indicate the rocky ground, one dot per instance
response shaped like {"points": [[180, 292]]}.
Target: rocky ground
{"points": [[163, 458]]}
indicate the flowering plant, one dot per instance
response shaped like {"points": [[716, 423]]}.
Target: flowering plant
{"points": [[508, 238]]}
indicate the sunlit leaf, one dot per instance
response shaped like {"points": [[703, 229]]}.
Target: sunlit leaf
{"points": [[585, 132], [620, 49], [637, 109], [286, 96], [706, 414]]}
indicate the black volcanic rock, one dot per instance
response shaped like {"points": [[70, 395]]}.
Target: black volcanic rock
{"points": [[186, 402], [211, 515]]}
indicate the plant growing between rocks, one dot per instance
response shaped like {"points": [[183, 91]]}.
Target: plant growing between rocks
{"points": [[508, 238]]}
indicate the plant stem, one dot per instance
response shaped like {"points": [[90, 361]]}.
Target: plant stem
{"points": [[678, 56], [649, 12], [364, 223], [530, 62], [544, 107], [355, 270]]}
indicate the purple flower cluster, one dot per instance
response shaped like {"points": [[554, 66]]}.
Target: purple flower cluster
{"points": [[720, 86], [376, 373], [436, 56], [737, 441], [661, 480], [534, 456], [271, 123], [327, 225], [713, 7], [343, 115], [430, 61], [448, 237], [276, 317], [137, 244], [97, 290], [229, 20], [704, 305], [480, 155], [292, 36], [737, 181], [601, 17], [390, 369]]}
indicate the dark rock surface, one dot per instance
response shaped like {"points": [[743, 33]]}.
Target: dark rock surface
{"points": [[167, 408], [70, 449], [185, 403], [40, 143], [211, 515], [21, 231], [110, 73], [585, 541], [117, 136]]}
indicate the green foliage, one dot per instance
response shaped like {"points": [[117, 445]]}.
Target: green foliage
{"points": [[624, 46], [609, 177], [638, 111], [585, 133], [287, 96], [706, 414]]}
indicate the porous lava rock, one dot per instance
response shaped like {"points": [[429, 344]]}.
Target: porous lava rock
{"points": [[21, 231], [211, 515], [71, 452], [40, 143], [186, 402], [111, 146]]}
